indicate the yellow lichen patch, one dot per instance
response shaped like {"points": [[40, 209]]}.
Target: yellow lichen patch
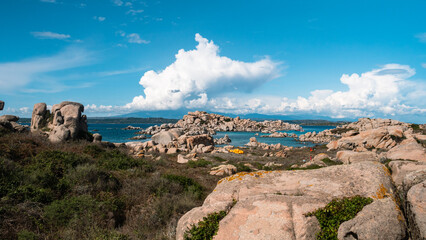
{"points": [[239, 176], [381, 193], [387, 172]]}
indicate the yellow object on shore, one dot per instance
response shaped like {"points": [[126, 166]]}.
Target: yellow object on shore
{"points": [[237, 151]]}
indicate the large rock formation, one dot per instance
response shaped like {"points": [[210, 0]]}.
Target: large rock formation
{"points": [[273, 205], [197, 123], [64, 122], [40, 117], [1, 105]]}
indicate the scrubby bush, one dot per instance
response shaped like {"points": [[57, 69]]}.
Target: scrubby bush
{"points": [[199, 163], [336, 212]]}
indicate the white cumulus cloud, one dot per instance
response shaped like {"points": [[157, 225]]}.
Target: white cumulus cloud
{"points": [[50, 35], [382, 91], [199, 74]]}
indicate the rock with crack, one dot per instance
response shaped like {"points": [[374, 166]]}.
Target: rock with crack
{"points": [[274, 204], [416, 210], [381, 220]]}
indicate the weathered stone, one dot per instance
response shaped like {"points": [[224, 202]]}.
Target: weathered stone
{"points": [[348, 157], [400, 170], [408, 149], [97, 138], [381, 220], [181, 159], [320, 157], [68, 115], [273, 204], [9, 118], [38, 118], [163, 137], [416, 210], [204, 139], [172, 151], [1, 105], [59, 134], [223, 170]]}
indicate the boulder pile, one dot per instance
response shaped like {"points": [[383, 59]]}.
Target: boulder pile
{"points": [[65, 121], [9, 123], [198, 122]]}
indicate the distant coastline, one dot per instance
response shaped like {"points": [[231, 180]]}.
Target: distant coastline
{"points": [[158, 120]]}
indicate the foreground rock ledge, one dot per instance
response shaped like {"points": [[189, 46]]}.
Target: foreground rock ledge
{"points": [[273, 204]]}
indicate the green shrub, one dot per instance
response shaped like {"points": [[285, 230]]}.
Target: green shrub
{"points": [[329, 162], [89, 179], [336, 212], [27, 235], [219, 159], [116, 160], [242, 168], [61, 212], [205, 229], [188, 184], [32, 193], [199, 163]]}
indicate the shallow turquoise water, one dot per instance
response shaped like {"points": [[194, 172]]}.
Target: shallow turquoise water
{"points": [[115, 133]]}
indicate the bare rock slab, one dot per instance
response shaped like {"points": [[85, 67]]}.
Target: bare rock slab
{"points": [[273, 204]]}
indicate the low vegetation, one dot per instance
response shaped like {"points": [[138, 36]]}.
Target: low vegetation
{"points": [[336, 212], [208, 227], [82, 190]]}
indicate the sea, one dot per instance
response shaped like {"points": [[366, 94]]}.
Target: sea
{"points": [[116, 133]]}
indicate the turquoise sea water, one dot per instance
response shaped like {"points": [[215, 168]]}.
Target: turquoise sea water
{"points": [[115, 133]]}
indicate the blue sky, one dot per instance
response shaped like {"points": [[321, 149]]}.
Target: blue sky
{"points": [[273, 57]]}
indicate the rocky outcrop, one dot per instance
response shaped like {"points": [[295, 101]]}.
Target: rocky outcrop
{"points": [[1, 105], [321, 137], [280, 135], [222, 141], [8, 123], [163, 137], [97, 138], [40, 117], [380, 138], [416, 210], [348, 157], [273, 205], [198, 123], [408, 149], [221, 170], [378, 220], [68, 123], [203, 139]]}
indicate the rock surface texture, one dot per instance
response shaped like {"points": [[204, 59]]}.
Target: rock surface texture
{"points": [[273, 204], [39, 118], [68, 123]]}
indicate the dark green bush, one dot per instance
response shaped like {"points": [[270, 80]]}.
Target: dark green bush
{"points": [[61, 212], [116, 160], [242, 168], [205, 229], [336, 212], [27, 235], [199, 163], [329, 162], [188, 184]]}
